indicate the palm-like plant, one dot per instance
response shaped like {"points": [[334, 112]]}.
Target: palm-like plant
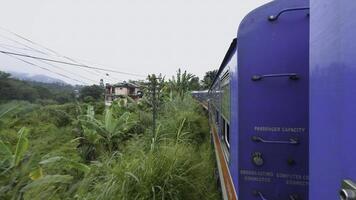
{"points": [[181, 83], [10, 160], [6, 109], [15, 167], [106, 134]]}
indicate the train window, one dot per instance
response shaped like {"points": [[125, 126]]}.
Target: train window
{"points": [[227, 135], [225, 138], [223, 129], [225, 132], [225, 95]]}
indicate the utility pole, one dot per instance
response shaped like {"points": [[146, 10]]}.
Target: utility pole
{"points": [[154, 105], [154, 88]]}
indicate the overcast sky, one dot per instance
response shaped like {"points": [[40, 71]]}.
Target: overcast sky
{"points": [[135, 36]]}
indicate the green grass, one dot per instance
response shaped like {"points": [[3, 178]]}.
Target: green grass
{"points": [[76, 153]]}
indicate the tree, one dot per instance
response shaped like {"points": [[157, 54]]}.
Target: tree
{"points": [[194, 84], [4, 75], [14, 89], [184, 82], [209, 78], [94, 91]]}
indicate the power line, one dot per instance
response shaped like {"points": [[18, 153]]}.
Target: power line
{"points": [[68, 63], [44, 68], [38, 51], [17, 42], [15, 47], [50, 64], [106, 75], [83, 77], [29, 48], [32, 42], [56, 53]]}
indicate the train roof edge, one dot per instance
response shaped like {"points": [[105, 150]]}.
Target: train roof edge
{"points": [[230, 52]]}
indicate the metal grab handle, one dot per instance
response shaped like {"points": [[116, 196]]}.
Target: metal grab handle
{"points": [[347, 194], [292, 76], [348, 190], [259, 194], [262, 197], [293, 197], [275, 17], [260, 139]]}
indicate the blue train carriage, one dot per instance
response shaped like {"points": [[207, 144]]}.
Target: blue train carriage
{"points": [[220, 121], [273, 86], [332, 99], [259, 106]]}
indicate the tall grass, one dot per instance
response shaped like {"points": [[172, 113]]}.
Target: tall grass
{"points": [[130, 161], [169, 172], [174, 163]]}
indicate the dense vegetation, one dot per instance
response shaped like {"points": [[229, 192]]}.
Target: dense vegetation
{"points": [[82, 150], [209, 79], [14, 89]]}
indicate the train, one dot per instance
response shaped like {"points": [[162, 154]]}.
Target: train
{"points": [[264, 104], [202, 96]]}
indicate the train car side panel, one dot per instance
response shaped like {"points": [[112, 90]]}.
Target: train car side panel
{"points": [[234, 127], [332, 98], [273, 60], [220, 119]]}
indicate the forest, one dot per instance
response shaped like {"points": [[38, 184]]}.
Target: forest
{"points": [[56, 144]]}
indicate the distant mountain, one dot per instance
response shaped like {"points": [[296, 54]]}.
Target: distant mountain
{"points": [[45, 79], [36, 78]]}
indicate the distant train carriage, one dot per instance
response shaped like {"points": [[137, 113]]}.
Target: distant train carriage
{"points": [[201, 95], [258, 106], [221, 105]]}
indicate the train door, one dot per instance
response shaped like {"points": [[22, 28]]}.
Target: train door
{"points": [[273, 60]]}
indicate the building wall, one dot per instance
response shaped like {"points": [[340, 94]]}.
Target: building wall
{"points": [[136, 90], [121, 91]]}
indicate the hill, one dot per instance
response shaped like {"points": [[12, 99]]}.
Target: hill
{"points": [[32, 91], [36, 78]]}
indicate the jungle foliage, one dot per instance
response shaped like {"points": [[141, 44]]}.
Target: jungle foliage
{"points": [[209, 79], [35, 92], [82, 150]]}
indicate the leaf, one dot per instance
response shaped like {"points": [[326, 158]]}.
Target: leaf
{"points": [[71, 164], [48, 180], [7, 109], [126, 121], [133, 176], [180, 129], [36, 174], [21, 147], [5, 151], [79, 166], [91, 135], [110, 122], [51, 160], [90, 112]]}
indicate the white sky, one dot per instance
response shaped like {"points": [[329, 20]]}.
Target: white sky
{"points": [[137, 36]]}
